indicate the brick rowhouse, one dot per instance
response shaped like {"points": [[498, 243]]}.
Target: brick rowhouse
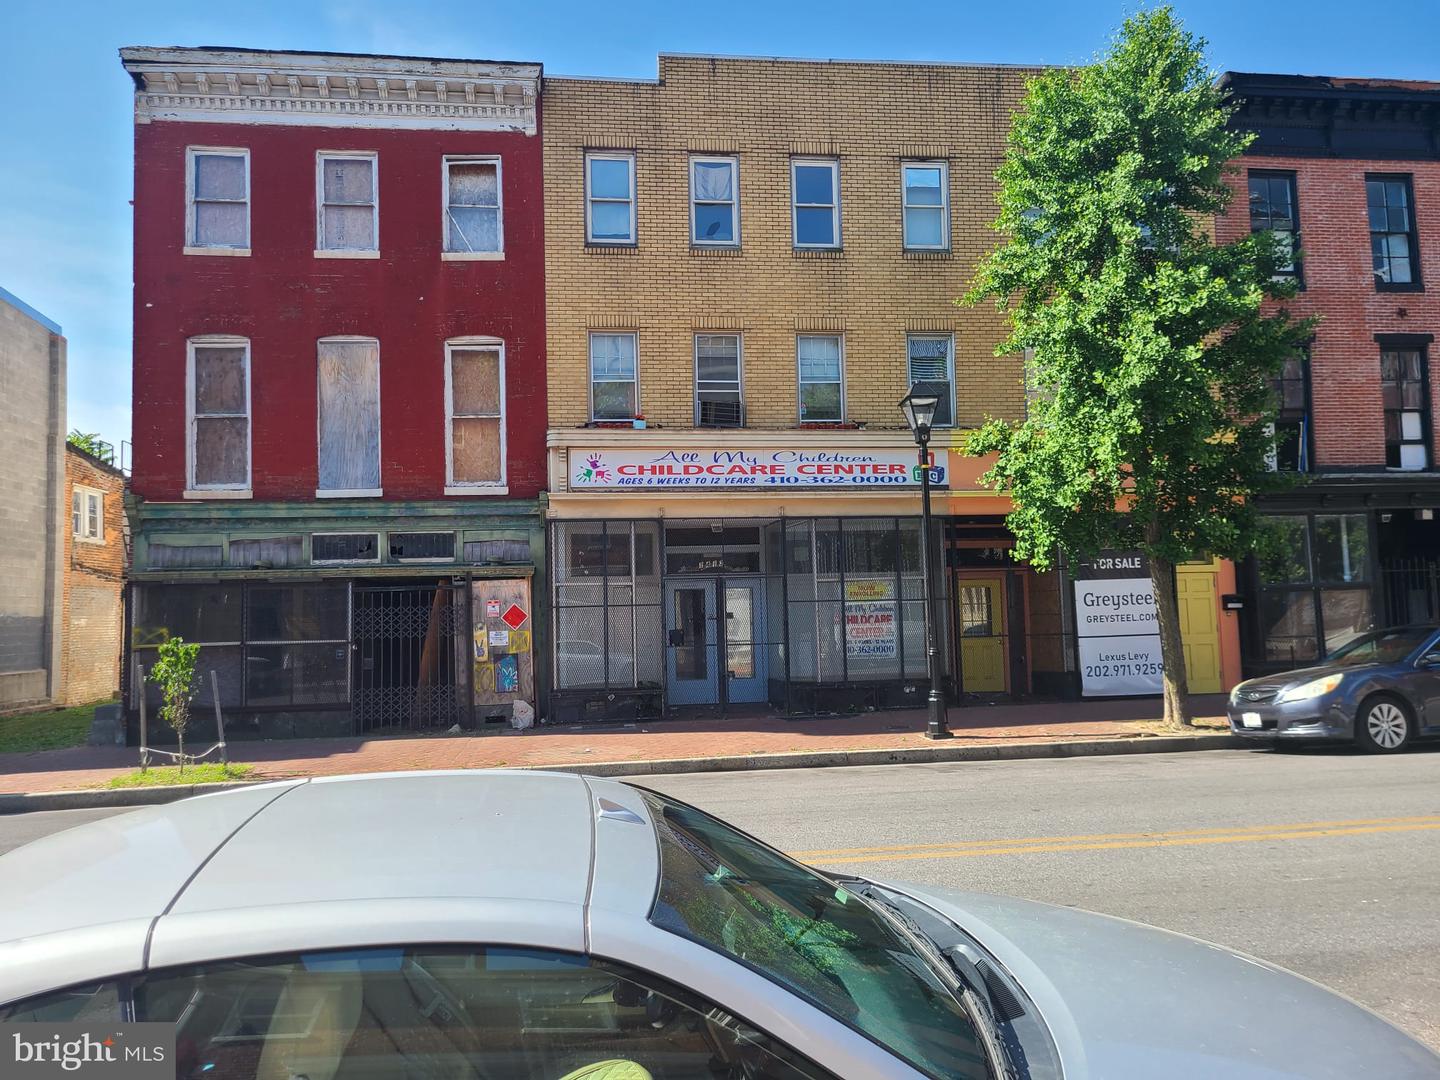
{"points": [[1352, 168], [339, 388]]}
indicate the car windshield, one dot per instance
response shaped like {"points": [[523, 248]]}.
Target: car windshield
{"points": [[1381, 647], [730, 893]]}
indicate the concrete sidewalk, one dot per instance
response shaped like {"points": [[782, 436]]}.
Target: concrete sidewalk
{"points": [[641, 745]]}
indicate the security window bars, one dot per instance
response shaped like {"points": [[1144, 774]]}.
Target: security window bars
{"points": [[1393, 244], [607, 612], [822, 395], [926, 198], [1406, 400], [612, 377], [1274, 208], [476, 413], [219, 408], [714, 201], [815, 187], [930, 361], [717, 381], [348, 203], [610, 198], [474, 224], [217, 188], [349, 420]]}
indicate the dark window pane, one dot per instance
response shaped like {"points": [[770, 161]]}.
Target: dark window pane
{"points": [[1346, 614], [1287, 625], [814, 225], [714, 223], [1342, 547], [297, 674], [318, 612], [1288, 558], [814, 184], [195, 613]]}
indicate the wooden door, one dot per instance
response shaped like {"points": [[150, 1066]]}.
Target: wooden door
{"points": [[1195, 589], [980, 627]]}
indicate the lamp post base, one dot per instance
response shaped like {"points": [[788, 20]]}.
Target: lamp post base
{"points": [[937, 727]]}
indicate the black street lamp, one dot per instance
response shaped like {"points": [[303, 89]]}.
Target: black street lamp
{"points": [[919, 408]]}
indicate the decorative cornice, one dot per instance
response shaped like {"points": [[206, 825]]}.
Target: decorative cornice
{"points": [[249, 87]]}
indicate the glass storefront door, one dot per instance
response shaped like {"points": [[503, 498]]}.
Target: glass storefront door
{"points": [[744, 640], [691, 643]]}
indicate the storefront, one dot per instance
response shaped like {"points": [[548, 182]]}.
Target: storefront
{"points": [[691, 578]]}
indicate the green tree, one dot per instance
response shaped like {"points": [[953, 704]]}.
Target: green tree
{"points": [[174, 672], [1149, 349], [91, 443]]}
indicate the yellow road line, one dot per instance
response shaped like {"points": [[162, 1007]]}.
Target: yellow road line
{"points": [[1180, 838]]}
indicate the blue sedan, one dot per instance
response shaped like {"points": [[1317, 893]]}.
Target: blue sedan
{"points": [[1381, 690]]}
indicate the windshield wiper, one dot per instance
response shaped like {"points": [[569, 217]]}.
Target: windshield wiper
{"points": [[956, 971]]}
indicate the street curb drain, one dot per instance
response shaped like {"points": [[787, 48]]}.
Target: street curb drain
{"points": [[822, 759]]}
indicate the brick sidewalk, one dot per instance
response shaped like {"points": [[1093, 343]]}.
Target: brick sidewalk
{"points": [[82, 767]]}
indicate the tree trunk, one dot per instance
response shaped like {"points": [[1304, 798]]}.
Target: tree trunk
{"points": [[1172, 650], [180, 734]]}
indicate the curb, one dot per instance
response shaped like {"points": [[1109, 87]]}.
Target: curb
{"points": [[822, 759]]}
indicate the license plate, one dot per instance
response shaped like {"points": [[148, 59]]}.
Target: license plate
{"points": [[1250, 719]]}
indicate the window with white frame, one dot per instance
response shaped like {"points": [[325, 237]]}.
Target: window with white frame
{"points": [[822, 394], [474, 220], [717, 381], [347, 203], [931, 360], [926, 193], [217, 196], [613, 394], [715, 201], [348, 404], [87, 514], [610, 198], [815, 195], [475, 412], [219, 414]]}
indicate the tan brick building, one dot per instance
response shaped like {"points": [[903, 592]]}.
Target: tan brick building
{"points": [[94, 578], [758, 257]]}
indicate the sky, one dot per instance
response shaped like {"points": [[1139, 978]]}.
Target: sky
{"points": [[66, 133]]}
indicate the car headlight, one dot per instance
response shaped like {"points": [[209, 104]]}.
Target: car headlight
{"points": [[1312, 689]]}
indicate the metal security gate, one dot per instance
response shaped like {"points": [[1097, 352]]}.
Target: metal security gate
{"points": [[410, 644]]}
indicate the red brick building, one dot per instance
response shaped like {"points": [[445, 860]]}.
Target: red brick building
{"points": [[339, 378], [1349, 171], [94, 578]]}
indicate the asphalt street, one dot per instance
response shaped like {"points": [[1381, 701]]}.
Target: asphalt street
{"points": [[1327, 863]]}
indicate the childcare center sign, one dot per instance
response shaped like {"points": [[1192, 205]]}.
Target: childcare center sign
{"points": [[870, 620], [1116, 626], [757, 469]]}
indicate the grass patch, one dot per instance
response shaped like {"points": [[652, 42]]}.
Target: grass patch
{"points": [[54, 729], [207, 772]]}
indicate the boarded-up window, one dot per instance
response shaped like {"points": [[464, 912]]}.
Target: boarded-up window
{"points": [[219, 190], [347, 203], [349, 415], [220, 415], [472, 205], [269, 552], [477, 414]]}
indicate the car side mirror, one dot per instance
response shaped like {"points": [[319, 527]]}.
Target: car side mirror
{"points": [[1430, 660]]}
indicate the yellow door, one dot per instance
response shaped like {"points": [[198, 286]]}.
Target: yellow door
{"points": [[980, 624], [1199, 626]]}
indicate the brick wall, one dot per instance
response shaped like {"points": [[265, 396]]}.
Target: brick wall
{"points": [[1348, 418], [869, 116], [94, 577]]}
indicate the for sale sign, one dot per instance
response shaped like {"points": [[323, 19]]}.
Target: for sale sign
{"points": [[1117, 627]]}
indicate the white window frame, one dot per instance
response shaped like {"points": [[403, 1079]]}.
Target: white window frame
{"points": [[471, 256], [949, 338], [216, 491], [833, 164], [739, 374], [590, 371], [800, 381], [321, 157], [734, 162], [944, 167], [345, 562], [590, 200], [464, 487], [80, 518], [192, 246], [352, 493]]}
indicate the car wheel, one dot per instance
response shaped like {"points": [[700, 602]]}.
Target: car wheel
{"points": [[1384, 726]]}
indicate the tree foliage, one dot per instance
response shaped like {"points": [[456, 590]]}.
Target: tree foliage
{"points": [[174, 672], [91, 443], [1151, 355]]}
